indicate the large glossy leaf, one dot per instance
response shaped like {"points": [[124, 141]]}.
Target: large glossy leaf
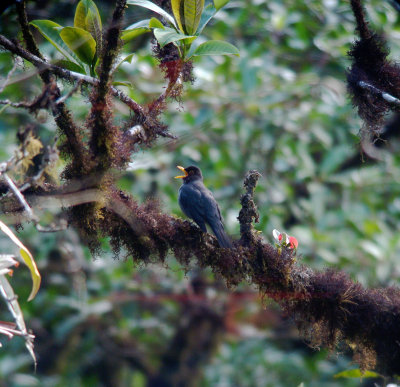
{"points": [[51, 31], [82, 11], [153, 7], [80, 14], [192, 14], [177, 9], [208, 13], [27, 258], [215, 47], [80, 42], [169, 35], [87, 17]]}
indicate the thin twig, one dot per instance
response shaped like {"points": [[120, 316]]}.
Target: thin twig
{"points": [[25, 105], [20, 197], [70, 93], [42, 65], [63, 224], [386, 96], [10, 73], [166, 94]]}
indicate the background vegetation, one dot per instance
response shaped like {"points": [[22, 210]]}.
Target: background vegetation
{"points": [[280, 108]]}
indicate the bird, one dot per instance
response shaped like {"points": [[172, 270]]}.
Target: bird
{"points": [[198, 203]]}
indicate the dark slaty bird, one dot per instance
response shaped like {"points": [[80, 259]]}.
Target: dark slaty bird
{"points": [[198, 203]]}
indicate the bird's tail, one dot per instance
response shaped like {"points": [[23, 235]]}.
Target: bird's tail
{"points": [[223, 238]]}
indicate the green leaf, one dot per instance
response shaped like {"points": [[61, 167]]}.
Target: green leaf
{"points": [[80, 42], [153, 7], [192, 13], [88, 18], [84, 9], [135, 30], [177, 9], [93, 25], [155, 23], [140, 24], [27, 258], [169, 35], [71, 66], [4, 107], [119, 83], [96, 66], [207, 14], [128, 35], [215, 47], [128, 58], [218, 4], [80, 15], [356, 373], [51, 31]]}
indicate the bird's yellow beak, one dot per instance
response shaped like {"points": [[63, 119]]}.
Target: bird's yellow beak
{"points": [[183, 170]]}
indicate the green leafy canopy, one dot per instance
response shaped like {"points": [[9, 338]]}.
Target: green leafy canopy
{"points": [[188, 21], [79, 44]]}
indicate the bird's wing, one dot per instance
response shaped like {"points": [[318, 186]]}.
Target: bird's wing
{"points": [[192, 204], [212, 209], [214, 219]]}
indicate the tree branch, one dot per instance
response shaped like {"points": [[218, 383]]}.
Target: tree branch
{"points": [[106, 144], [28, 37], [42, 65], [386, 96], [327, 305], [248, 214]]}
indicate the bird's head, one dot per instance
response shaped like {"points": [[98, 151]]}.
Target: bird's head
{"points": [[191, 173]]}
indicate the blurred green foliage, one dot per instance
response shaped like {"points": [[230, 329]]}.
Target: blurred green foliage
{"points": [[280, 108]]}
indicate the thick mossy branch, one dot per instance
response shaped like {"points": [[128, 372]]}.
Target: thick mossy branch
{"points": [[362, 24], [26, 33], [28, 37], [248, 214], [106, 143], [110, 49], [327, 305]]}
